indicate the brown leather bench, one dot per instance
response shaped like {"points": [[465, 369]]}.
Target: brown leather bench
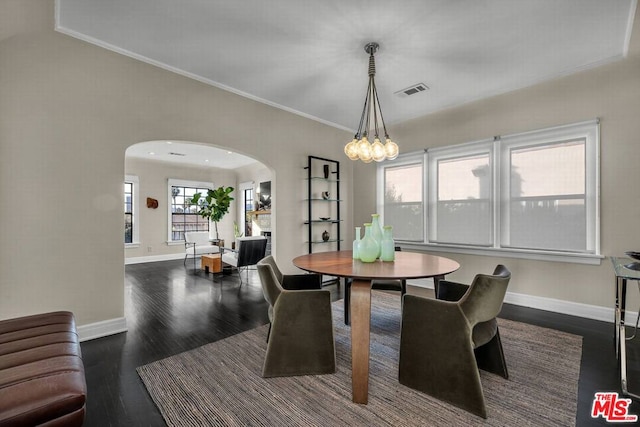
{"points": [[41, 372]]}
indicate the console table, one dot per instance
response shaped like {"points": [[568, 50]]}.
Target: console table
{"points": [[624, 270]]}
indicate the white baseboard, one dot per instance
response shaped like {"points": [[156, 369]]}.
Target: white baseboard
{"points": [[595, 312], [102, 329], [153, 258]]}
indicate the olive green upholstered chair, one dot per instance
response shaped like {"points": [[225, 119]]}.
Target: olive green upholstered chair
{"points": [[294, 281], [438, 339], [301, 340]]}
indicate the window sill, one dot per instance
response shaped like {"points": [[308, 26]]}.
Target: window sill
{"points": [[175, 243], [591, 259], [132, 245]]}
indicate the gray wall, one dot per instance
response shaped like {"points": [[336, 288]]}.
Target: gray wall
{"points": [[68, 112]]}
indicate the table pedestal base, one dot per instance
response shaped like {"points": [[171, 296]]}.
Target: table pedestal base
{"points": [[360, 328]]}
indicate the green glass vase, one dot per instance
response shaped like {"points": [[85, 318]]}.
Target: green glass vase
{"points": [[368, 248], [356, 244], [388, 247], [376, 231]]}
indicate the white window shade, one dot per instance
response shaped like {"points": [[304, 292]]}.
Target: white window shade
{"points": [[461, 195], [402, 182], [550, 181]]}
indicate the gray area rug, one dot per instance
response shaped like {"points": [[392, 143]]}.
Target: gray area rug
{"points": [[219, 384]]}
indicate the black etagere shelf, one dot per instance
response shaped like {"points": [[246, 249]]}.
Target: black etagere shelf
{"points": [[323, 202]]}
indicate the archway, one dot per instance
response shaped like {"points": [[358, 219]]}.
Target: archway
{"points": [[161, 175]]}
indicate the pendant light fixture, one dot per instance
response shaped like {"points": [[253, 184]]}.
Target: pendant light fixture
{"points": [[360, 147]]}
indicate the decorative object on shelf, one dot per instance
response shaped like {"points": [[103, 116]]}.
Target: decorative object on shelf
{"points": [[633, 265], [326, 195], [325, 236], [360, 147], [633, 254], [324, 218], [152, 203], [214, 205], [368, 249], [325, 170], [388, 246], [376, 231], [356, 244]]}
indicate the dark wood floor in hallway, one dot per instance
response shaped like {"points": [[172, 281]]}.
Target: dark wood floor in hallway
{"points": [[169, 310]]}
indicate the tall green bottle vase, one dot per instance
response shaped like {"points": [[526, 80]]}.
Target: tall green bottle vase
{"points": [[368, 248], [356, 244], [376, 231], [388, 247]]}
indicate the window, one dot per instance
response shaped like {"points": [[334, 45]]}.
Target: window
{"points": [[533, 193], [550, 183], [248, 207], [461, 195], [131, 224], [183, 215], [128, 212], [403, 206]]}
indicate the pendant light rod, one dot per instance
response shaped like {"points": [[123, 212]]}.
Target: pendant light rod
{"points": [[360, 147]]}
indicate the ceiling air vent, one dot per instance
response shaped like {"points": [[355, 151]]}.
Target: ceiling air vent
{"points": [[171, 153], [412, 90]]}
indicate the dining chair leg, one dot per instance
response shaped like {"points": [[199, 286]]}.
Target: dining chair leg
{"points": [[347, 300], [490, 357]]}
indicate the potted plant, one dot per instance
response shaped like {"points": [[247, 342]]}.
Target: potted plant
{"points": [[214, 205]]}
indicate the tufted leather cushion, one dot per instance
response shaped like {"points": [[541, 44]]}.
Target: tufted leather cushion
{"points": [[41, 371]]}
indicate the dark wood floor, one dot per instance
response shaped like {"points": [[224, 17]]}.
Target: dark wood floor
{"points": [[170, 309]]}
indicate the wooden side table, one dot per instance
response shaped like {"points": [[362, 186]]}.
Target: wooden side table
{"points": [[211, 263]]}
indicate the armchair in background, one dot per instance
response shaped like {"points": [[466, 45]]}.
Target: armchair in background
{"points": [[249, 250], [196, 243], [438, 339]]}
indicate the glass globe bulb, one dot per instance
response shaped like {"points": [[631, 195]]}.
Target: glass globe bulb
{"points": [[364, 150], [391, 149], [351, 149], [364, 145], [377, 151]]}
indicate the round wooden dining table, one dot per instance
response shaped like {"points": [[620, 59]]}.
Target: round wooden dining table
{"points": [[407, 265]]}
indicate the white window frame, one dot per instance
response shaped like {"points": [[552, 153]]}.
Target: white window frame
{"points": [[407, 159], [485, 147], [589, 131], [171, 182], [500, 145], [248, 185], [135, 207]]}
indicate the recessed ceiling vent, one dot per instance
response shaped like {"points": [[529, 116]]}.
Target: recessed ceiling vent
{"points": [[171, 153], [412, 90]]}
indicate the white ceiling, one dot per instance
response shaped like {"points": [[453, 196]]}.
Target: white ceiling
{"points": [[187, 153], [308, 57]]}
